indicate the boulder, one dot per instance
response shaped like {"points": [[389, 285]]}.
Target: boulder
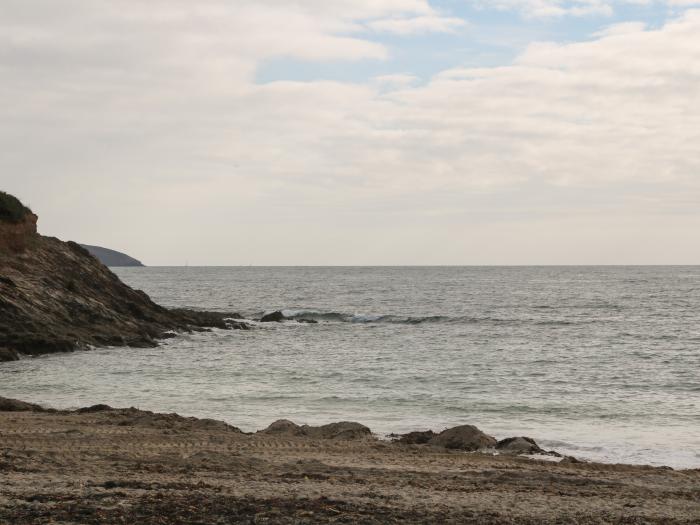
{"points": [[274, 317], [417, 437], [13, 405], [464, 437], [518, 445], [284, 426], [94, 408], [344, 430], [7, 354], [347, 430]]}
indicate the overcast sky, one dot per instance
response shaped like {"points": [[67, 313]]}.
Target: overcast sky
{"points": [[274, 132]]}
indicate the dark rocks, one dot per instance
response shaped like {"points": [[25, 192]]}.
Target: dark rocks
{"points": [[94, 408], [284, 427], [13, 405], [274, 317], [7, 354], [464, 437], [470, 438], [417, 437], [344, 430], [518, 445], [278, 317], [237, 325], [127, 417], [56, 297], [211, 319]]}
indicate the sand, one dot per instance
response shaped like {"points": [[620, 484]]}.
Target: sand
{"points": [[132, 467]]}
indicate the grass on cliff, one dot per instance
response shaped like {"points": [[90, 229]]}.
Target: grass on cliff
{"points": [[11, 209]]}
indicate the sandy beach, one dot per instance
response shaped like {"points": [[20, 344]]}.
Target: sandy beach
{"points": [[128, 466]]}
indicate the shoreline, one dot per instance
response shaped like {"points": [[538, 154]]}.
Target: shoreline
{"points": [[604, 451], [104, 465]]}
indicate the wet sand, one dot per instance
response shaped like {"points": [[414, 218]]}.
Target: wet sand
{"points": [[133, 467]]}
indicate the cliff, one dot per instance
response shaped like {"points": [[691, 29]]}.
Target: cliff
{"points": [[56, 297], [111, 257]]}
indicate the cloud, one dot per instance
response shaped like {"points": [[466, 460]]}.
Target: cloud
{"points": [[417, 25], [147, 118], [621, 29], [551, 8]]}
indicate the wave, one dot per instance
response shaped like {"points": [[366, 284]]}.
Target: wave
{"points": [[345, 317]]}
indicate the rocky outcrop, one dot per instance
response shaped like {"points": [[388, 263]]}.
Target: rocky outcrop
{"points": [[56, 297], [274, 317], [518, 445], [14, 405], [344, 430], [470, 438], [464, 437], [417, 437], [18, 236], [278, 317]]}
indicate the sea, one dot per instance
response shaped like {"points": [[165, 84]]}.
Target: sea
{"points": [[601, 363]]}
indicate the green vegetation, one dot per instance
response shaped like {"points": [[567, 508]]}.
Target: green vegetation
{"points": [[11, 209]]}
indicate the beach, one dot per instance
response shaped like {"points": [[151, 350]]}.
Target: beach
{"points": [[107, 466]]}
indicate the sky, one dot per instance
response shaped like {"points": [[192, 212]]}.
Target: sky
{"points": [[357, 132]]}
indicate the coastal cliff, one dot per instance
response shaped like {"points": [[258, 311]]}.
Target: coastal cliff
{"points": [[56, 297]]}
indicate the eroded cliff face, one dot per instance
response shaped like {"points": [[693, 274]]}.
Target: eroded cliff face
{"points": [[17, 236], [55, 297]]}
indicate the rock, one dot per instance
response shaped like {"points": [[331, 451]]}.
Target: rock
{"points": [[7, 354], [94, 408], [56, 297], [274, 317], [307, 321], [284, 426], [518, 445], [348, 430], [344, 430], [13, 405], [572, 459], [126, 417], [237, 325], [417, 437], [464, 437]]}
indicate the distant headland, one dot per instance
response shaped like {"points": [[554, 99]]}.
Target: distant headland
{"points": [[111, 257]]}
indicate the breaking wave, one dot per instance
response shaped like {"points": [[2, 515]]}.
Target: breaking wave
{"points": [[344, 317]]}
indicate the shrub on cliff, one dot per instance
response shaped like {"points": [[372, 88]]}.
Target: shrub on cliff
{"points": [[11, 209]]}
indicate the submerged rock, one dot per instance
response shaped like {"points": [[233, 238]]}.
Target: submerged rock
{"points": [[274, 317], [464, 437], [518, 445]]}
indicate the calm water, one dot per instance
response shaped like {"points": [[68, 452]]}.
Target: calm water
{"points": [[598, 362]]}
